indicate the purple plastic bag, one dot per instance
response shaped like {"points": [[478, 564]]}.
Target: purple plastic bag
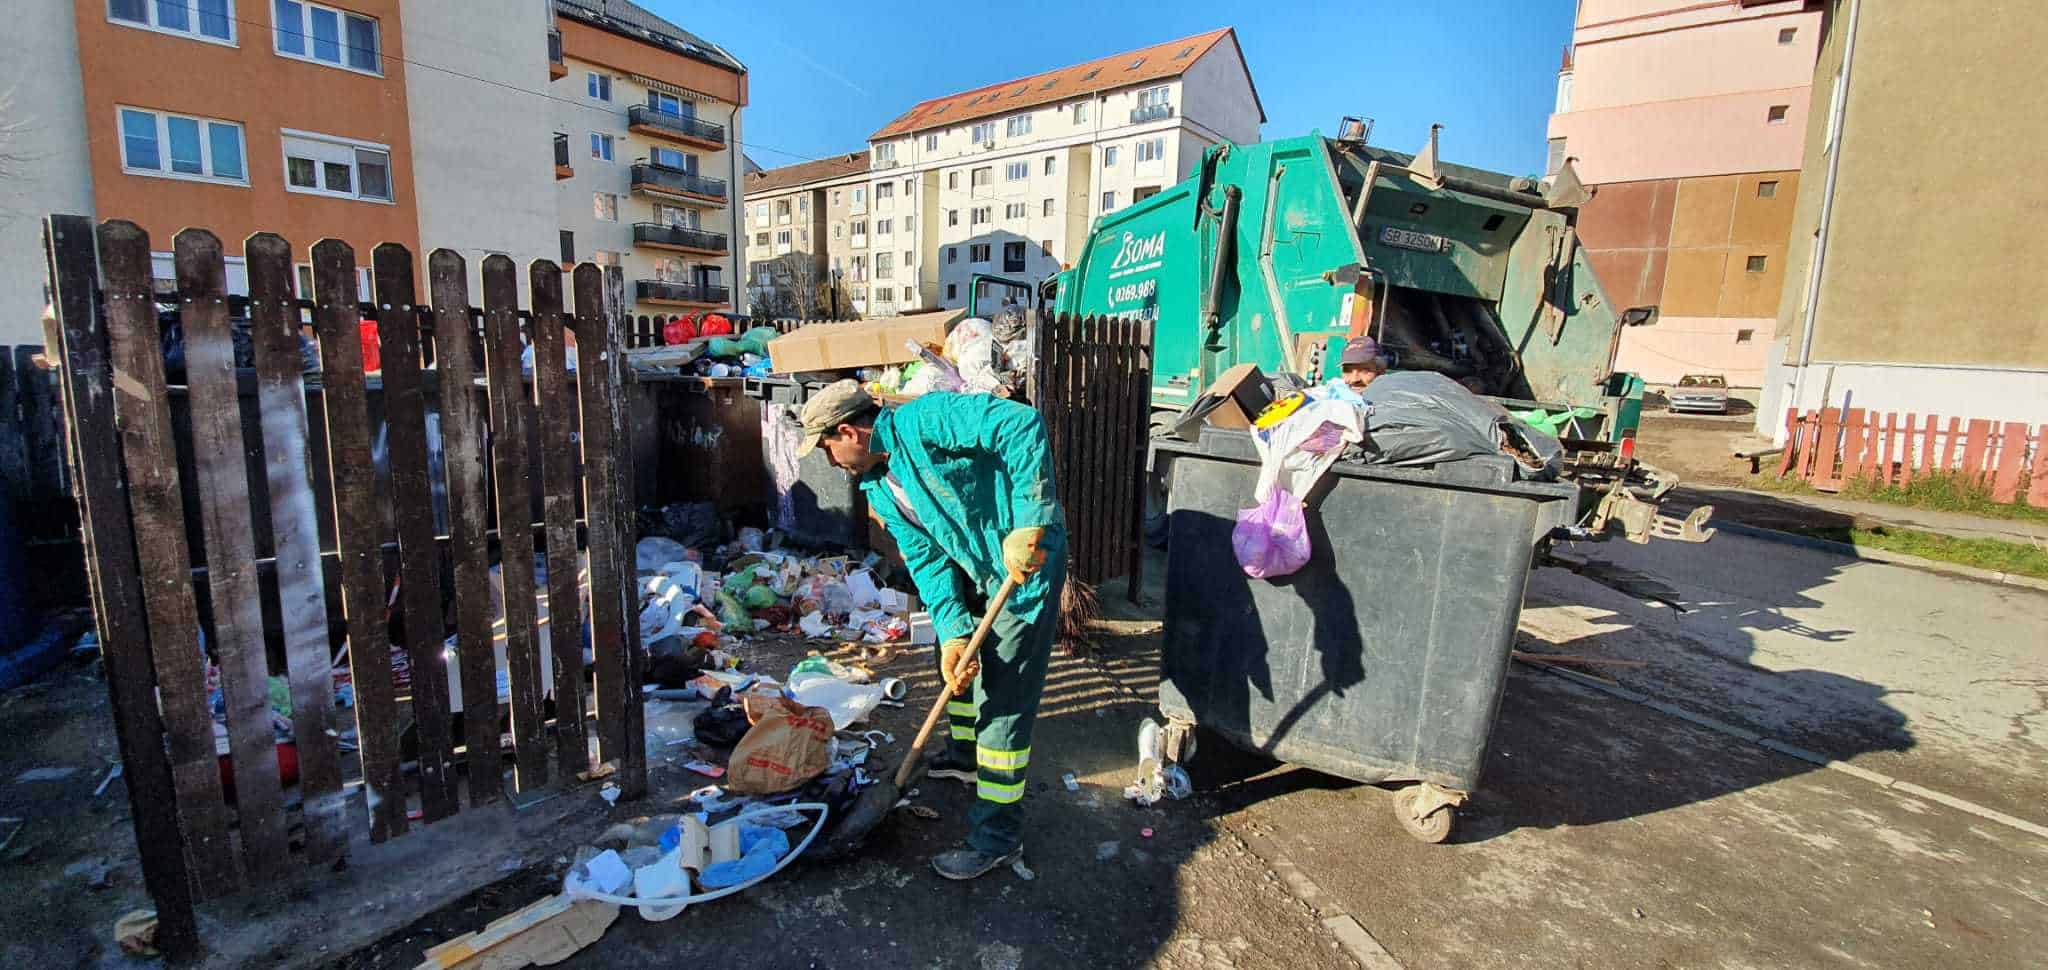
{"points": [[1271, 539]]}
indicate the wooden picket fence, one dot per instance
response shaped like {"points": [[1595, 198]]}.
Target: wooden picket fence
{"points": [[1093, 385], [196, 840], [1831, 446]]}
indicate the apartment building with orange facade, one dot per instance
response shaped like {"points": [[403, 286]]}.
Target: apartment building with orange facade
{"points": [[421, 122]]}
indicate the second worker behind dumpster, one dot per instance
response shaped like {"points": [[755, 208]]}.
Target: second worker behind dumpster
{"points": [[963, 484]]}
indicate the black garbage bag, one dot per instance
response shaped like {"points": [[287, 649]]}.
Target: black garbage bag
{"points": [[723, 724], [1423, 418], [672, 662], [694, 524]]}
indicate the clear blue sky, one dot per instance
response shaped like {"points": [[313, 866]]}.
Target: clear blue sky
{"points": [[824, 75]]}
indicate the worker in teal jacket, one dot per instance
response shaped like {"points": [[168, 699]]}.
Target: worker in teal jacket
{"points": [[963, 484]]}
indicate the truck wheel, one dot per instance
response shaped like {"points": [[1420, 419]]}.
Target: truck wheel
{"points": [[1432, 828]]}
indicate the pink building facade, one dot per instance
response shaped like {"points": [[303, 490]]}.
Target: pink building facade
{"points": [[1689, 118]]}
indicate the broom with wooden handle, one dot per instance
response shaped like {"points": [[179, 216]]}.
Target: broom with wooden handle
{"points": [[988, 619]]}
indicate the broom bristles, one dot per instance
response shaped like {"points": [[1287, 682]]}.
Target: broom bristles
{"points": [[1079, 609]]}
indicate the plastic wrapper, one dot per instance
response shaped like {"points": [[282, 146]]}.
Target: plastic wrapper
{"points": [[1423, 418], [972, 347]]}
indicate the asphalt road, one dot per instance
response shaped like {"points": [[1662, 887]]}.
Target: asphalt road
{"points": [[1607, 832]]}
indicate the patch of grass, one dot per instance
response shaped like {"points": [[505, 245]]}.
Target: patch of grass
{"points": [[1789, 485], [1992, 554], [1948, 492]]}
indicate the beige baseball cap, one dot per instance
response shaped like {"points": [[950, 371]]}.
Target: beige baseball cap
{"points": [[829, 408]]}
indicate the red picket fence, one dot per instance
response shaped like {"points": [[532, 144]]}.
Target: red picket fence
{"points": [[1832, 446]]}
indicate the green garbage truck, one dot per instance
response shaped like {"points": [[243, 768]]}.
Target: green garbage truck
{"points": [[1276, 253]]}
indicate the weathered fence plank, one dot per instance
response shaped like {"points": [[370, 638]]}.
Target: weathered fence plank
{"points": [[510, 407], [151, 455], [462, 453], [632, 727], [1905, 455], [2037, 486], [116, 581], [2012, 451], [358, 529], [557, 412], [412, 502], [295, 540], [597, 354], [221, 464], [1976, 443]]}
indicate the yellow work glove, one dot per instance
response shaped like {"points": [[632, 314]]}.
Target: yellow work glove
{"points": [[1024, 552], [958, 665]]}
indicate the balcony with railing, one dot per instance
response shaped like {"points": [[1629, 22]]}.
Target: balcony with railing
{"points": [[675, 183], [682, 239], [681, 294], [656, 123], [557, 70], [562, 169], [1151, 112]]}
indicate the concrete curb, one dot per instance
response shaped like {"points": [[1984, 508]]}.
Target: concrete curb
{"points": [[1884, 556]]}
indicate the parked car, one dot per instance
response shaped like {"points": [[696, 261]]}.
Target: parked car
{"points": [[1703, 393]]}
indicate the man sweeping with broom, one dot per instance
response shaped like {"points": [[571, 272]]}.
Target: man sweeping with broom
{"points": [[963, 484]]}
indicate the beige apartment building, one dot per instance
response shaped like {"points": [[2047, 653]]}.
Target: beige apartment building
{"points": [[1005, 180], [647, 120], [1917, 236], [794, 271]]}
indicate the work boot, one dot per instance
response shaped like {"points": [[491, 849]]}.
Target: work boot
{"points": [[968, 862], [944, 766]]}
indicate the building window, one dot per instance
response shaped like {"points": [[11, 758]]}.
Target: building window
{"points": [[984, 133], [1786, 35], [909, 258], [782, 212], [884, 227], [803, 205], [604, 206], [952, 291], [671, 105], [325, 165], [1047, 207], [835, 197], [600, 147], [605, 257], [1017, 171], [670, 158], [1554, 161], [909, 186], [312, 32], [885, 266], [1777, 113], [1757, 263], [1016, 210], [952, 217], [204, 20], [836, 233], [1767, 190], [860, 200], [760, 239], [979, 177], [931, 143], [952, 255], [1020, 125], [977, 253], [1152, 150], [1143, 192], [782, 237], [885, 192], [568, 247], [1013, 257], [909, 223], [978, 215], [1109, 157], [1744, 336], [1108, 201], [885, 152], [1151, 97], [1080, 112], [1049, 164], [177, 146], [908, 295], [599, 86], [953, 180], [1045, 246]]}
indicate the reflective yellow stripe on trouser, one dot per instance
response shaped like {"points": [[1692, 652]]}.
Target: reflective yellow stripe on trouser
{"points": [[962, 714], [1000, 774]]}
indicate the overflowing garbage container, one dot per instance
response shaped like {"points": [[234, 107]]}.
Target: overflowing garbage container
{"points": [[1381, 658]]}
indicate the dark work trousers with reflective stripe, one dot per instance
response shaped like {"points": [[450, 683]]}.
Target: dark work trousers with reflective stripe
{"points": [[990, 727]]}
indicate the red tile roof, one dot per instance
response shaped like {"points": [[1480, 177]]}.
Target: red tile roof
{"points": [[789, 176], [1153, 63]]}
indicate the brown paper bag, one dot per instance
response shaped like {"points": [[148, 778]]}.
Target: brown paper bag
{"points": [[785, 748]]}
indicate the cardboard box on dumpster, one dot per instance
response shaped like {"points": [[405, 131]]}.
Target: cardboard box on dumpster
{"points": [[865, 343], [1239, 395]]}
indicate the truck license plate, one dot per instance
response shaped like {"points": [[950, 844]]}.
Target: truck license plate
{"points": [[1421, 242]]}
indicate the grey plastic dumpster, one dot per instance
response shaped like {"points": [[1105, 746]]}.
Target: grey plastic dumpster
{"points": [[1381, 660]]}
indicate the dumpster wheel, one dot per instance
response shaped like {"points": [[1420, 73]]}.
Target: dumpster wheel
{"points": [[1426, 811]]}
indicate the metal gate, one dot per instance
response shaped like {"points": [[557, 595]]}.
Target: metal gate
{"points": [[1094, 387], [166, 600]]}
